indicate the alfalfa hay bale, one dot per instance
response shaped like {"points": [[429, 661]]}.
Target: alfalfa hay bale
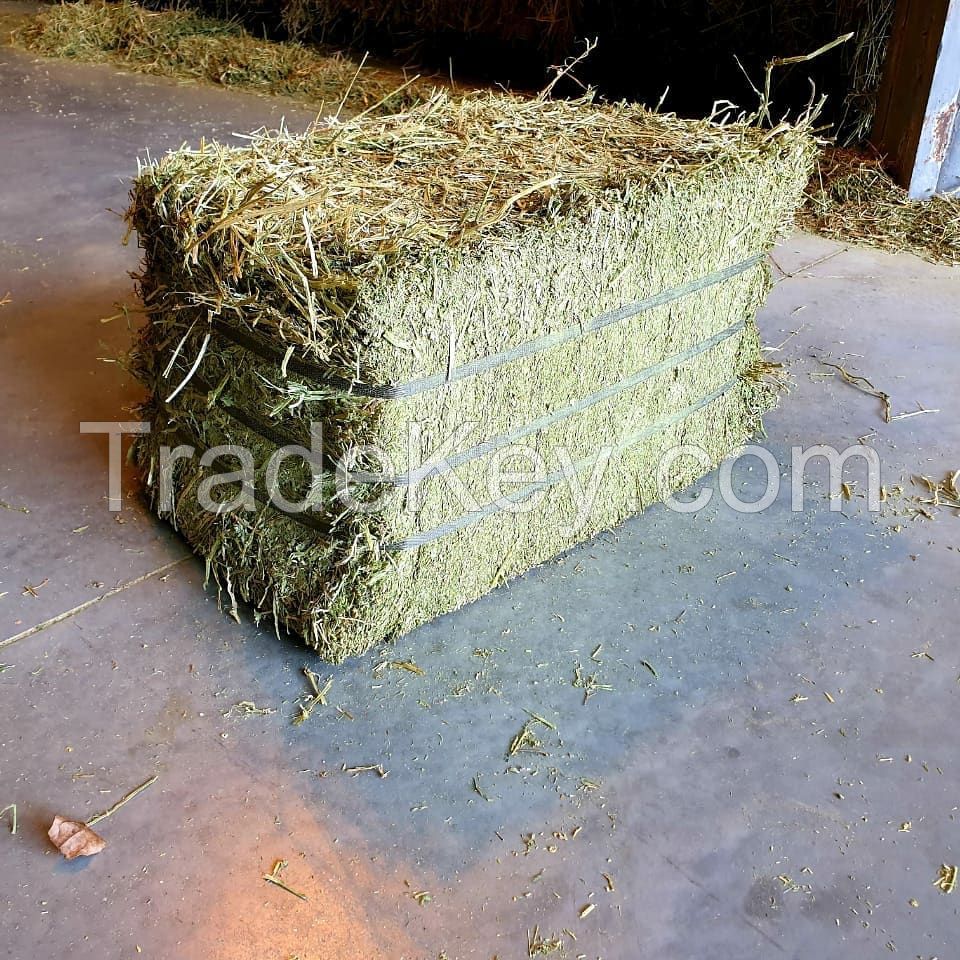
{"points": [[480, 273]]}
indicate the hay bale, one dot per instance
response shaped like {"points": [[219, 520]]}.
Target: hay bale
{"points": [[577, 278]]}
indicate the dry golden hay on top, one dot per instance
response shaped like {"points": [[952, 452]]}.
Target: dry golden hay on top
{"points": [[384, 191], [578, 279]]}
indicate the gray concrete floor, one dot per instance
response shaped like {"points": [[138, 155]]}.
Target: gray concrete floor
{"points": [[733, 820]]}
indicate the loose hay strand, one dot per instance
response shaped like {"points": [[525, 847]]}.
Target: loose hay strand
{"points": [[135, 792]]}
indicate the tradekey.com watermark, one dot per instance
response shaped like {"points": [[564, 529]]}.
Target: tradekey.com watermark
{"points": [[515, 477]]}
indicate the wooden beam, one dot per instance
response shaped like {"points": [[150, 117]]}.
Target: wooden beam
{"points": [[916, 125]]}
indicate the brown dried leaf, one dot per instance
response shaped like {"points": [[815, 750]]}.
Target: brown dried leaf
{"points": [[74, 839]]}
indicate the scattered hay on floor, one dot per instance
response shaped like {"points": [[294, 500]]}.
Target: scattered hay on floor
{"points": [[539, 946], [946, 880], [852, 199], [938, 494], [183, 45], [575, 278]]}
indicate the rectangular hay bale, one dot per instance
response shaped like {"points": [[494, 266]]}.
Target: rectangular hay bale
{"points": [[575, 279]]}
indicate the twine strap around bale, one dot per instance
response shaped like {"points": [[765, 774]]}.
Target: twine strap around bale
{"points": [[468, 519], [427, 470], [277, 435], [558, 476], [319, 525], [280, 437], [265, 348]]}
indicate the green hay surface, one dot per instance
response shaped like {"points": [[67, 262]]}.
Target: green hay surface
{"points": [[851, 198], [180, 44], [370, 247]]}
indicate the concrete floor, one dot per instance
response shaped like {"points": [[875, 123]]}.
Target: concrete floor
{"points": [[732, 820]]}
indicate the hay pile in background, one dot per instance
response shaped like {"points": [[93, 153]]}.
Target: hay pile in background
{"points": [[284, 278], [862, 62], [731, 41], [852, 199], [700, 49], [547, 27], [10, 21], [640, 53], [178, 43], [550, 23]]}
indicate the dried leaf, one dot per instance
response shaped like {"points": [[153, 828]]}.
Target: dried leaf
{"points": [[74, 839]]}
